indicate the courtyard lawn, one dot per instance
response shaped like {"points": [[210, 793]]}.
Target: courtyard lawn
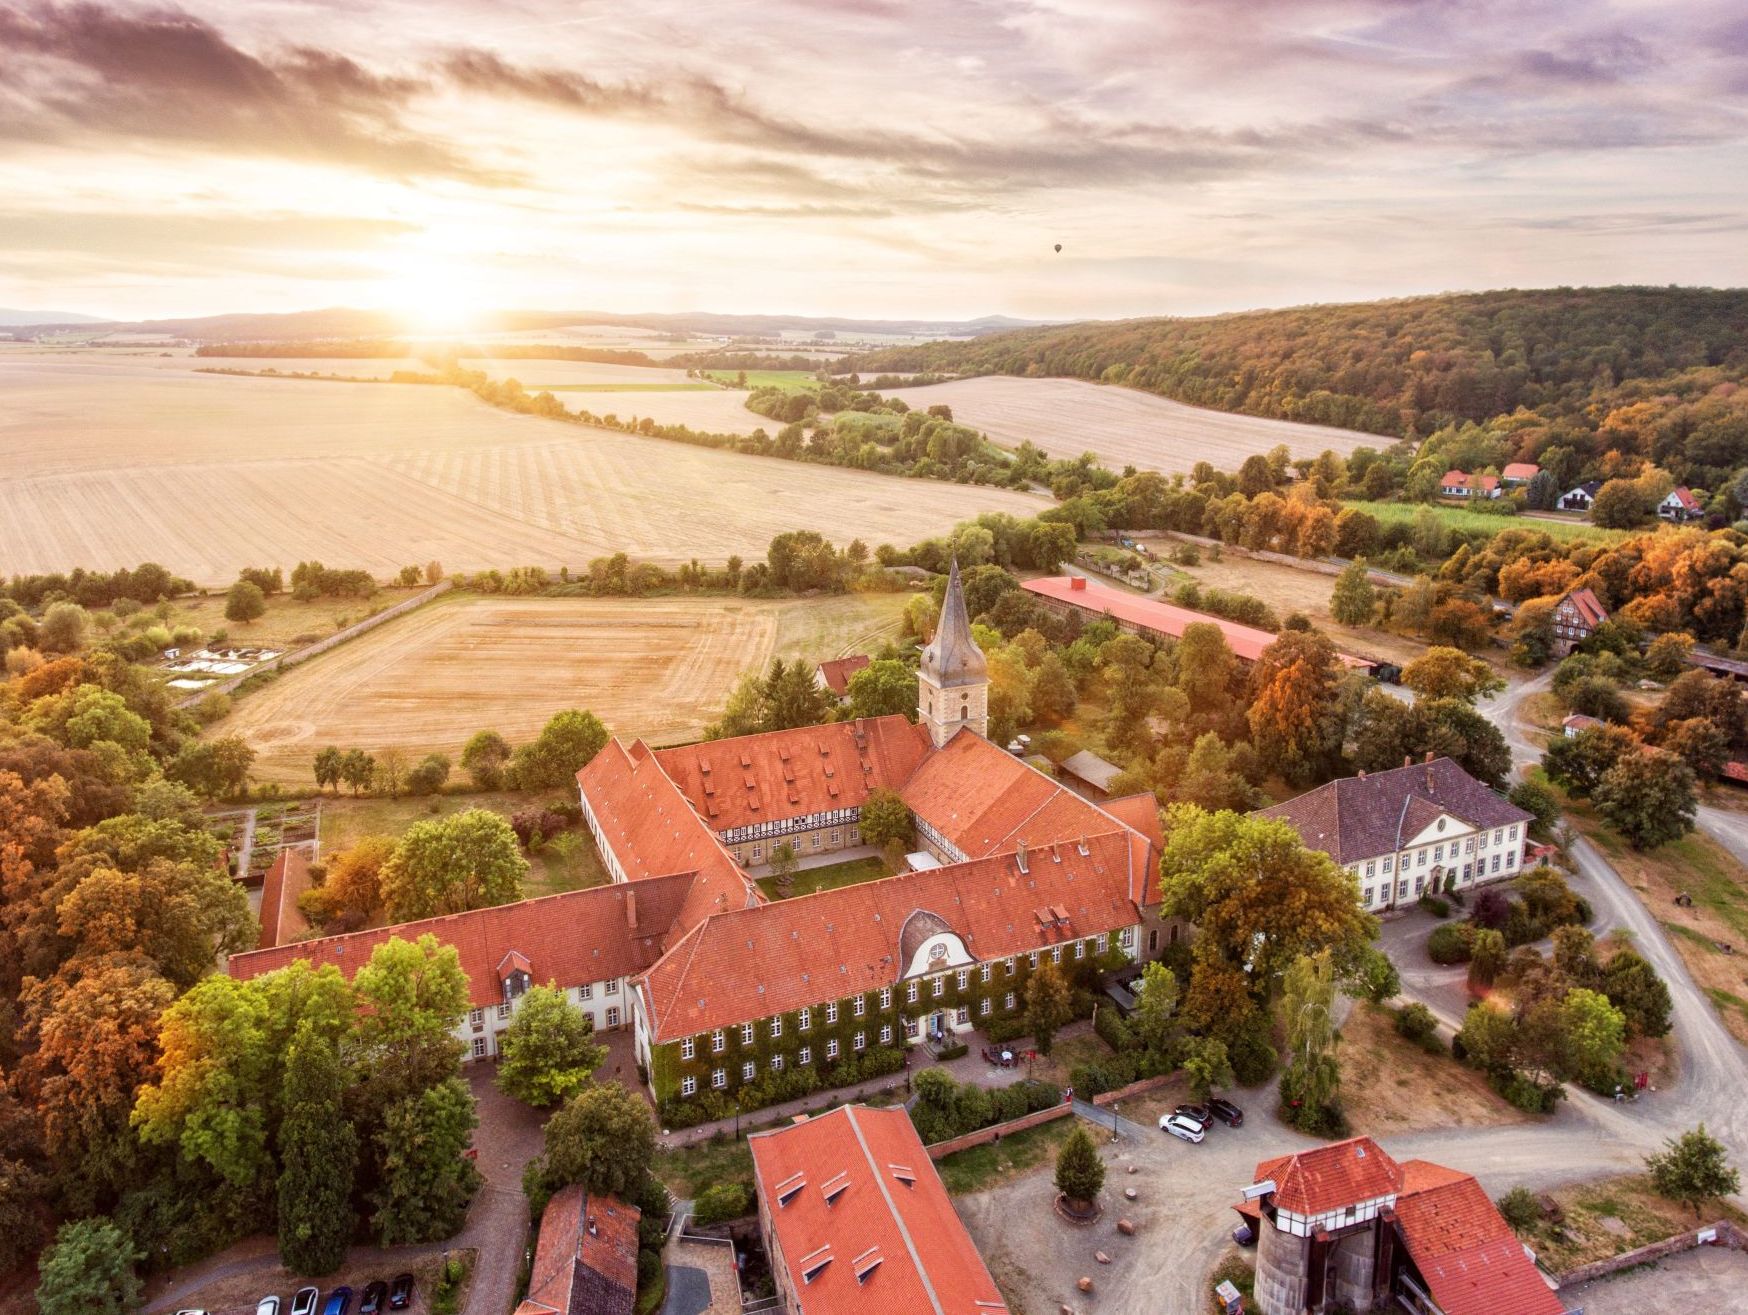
{"points": [[811, 880], [1012, 1157], [1603, 1219], [688, 1170], [790, 381]]}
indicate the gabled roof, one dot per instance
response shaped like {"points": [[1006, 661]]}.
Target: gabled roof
{"points": [[653, 831], [578, 937], [1589, 488], [776, 958], [984, 800], [1331, 1177], [952, 656], [1360, 817], [1683, 497], [586, 1260], [1471, 1260], [888, 1240], [793, 773], [1520, 470], [836, 672], [1588, 606], [1454, 479], [281, 919]]}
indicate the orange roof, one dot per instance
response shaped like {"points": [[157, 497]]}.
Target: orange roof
{"points": [[1167, 619], [1454, 479], [1140, 813], [1471, 1260], [652, 830], [1520, 470], [1588, 606], [1331, 1177], [886, 1238], [752, 963], [984, 800], [579, 937], [836, 672], [794, 773], [586, 1260], [281, 919]]}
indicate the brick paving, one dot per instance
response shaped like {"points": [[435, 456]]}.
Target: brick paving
{"points": [[716, 1260]]}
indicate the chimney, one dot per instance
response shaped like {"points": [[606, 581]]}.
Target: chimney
{"points": [[1076, 582], [1408, 760], [1020, 857], [592, 1229], [631, 909], [1362, 775], [1429, 756]]}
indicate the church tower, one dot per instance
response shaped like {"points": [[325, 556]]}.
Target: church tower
{"points": [[953, 681]]}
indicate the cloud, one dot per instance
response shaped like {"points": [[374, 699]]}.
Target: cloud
{"points": [[83, 71]]}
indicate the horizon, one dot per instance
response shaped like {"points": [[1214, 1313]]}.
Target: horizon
{"points": [[839, 162]]}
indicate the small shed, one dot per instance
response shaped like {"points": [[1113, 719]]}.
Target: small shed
{"points": [[1093, 770]]}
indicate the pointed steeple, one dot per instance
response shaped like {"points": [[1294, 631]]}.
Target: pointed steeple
{"points": [[954, 658]]}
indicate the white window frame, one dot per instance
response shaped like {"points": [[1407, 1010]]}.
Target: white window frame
{"points": [[479, 1047], [831, 1013], [805, 1056], [776, 1026], [688, 1086], [748, 1033], [719, 1079], [805, 1021], [748, 1071], [612, 1015], [689, 1048], [718, 1041], [831, 1048]]}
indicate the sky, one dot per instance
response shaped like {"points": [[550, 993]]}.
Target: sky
{"points": [[872, 158]]}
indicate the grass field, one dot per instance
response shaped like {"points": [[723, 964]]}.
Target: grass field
{"points": [[1124, 427], [830, 877], [998, 1162], [288, 623], [790, 381], [107, 462], [1462, 518], [693, 387], [660, 668]]}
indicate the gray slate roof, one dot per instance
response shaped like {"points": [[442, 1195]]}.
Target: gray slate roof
{"points": [[953, 657], [1361, 817]]}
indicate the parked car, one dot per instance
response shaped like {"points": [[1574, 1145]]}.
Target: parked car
{"points": [[339, 1301], [190, 1310], [375, 1293], [1181, 1128], [400, 1292], [1244, 1235], [305, 1301], [267, 1306], [1226, 1112], [1197, 1114]]}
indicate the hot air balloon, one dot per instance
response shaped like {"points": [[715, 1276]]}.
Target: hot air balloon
{"points": [[1059, 246]]}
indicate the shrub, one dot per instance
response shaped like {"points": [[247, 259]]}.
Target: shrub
{"points": [[1439, 908], [1417, 1023], [1519, 1207], [535, 826], [722, 1202], [1005, 1029], [955, 1051], [1450, 943], [1526, 1094]]}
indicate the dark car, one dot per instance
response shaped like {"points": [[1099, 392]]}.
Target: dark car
{"points": [[1244, 1235], [339, 1302], [400, 1292], [375, 1293], [1226, 1112], [1196, 1113]]}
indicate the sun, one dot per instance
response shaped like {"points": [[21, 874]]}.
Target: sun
{"points": [[433, 295]]}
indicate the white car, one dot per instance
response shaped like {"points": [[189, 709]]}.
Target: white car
{"points": [[1184, 1129], [304, 1301], [267, 1306]]}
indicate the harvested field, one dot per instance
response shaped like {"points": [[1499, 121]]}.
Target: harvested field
{"points": [[535, 374], [108, 462], [1066, 417], [660, 668]]}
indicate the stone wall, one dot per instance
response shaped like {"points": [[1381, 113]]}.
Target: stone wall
{"points": [[1728, 1235], [983, 1136], [1140, 1088]]}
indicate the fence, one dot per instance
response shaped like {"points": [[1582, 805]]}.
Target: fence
{"points": [[303, 654], [1723, 1233], [983, 1136]]}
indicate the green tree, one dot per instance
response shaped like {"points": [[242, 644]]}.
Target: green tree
{"points": [[483, 759], [1693, 1169], [883, 688], [1633, 986], [1648, 797], [213, 769], [1053, 692], [792, 697], [1049, 1005], [1373, 977], [412, 997], [1080, 1174], [245, 602], [1489, 1037], [783, 864], [1594, 1034], [88, 1271], [1154, 1019], [885, 818], [329, 767], [1579, 762], [318, 1153], [429, 775], [451, 864], [1387, 731], [1537, 800], [1211, 777], [1207, 1066], [1450, 673], [604, 1139], [1486, 959], [426, 1179], [548, 1052], [1353, 599], [357, 768], [564, 747]]}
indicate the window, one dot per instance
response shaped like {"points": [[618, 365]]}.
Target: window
{"points": [[861, 1041], [831, 1048], [831, 1013], [938, 986], [1496, 859], [860, 1006], [1401, 890], [1438, 853], [910, 1027], [1422, 859], [1101, 942], [983, 1007], [1468, 871], [717, 1041], [805, 1021], [1080, 949], [1387, 863], [758, 852], [613, 987], [886, 997], [806, 1055], [962, 1015], [1126, 938], [479, 1047], [910, 992], [814, 840], [1371, 869], [1510, 858], [1012, 967], [1008, 1003], [613, 1016], [837, 837], [689, 1048], [776, 1063], [719, 1078], [855, 835], [1514, 831], [964, 978], [747, 1070], [1056, 954], [586, 992], [503, 1011], [1032, 959], [1498, 836], [886, 1034], [477, 1017], [746, 1034], [1368, 896], [688, 1086], [777, 1027]]}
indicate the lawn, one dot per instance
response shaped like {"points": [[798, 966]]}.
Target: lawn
{"points": [[790, 381], [1605, 1218], [688, 1170], [997, 1162], [288, 623], [807, 882], [1462, 518]]}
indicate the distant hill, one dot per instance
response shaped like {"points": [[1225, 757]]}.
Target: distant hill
{"points": [[342, 322], [1393, 368], [10, 317]]}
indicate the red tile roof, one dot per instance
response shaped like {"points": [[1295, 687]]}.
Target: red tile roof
{"points": [[1140, 812], [836, 672], [985, 801], [1458, 479], [1246, 642], [794, 773], [281, 920], [890, 1237], [1331, 1177], [752, 963], [586, 1260], [1520, 470], [653, 831], [1588, 606], [1471, 1260], [575, 938]]}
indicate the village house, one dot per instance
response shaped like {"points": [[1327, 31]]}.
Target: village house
{"points": [[585, 1262], [1458, 484], [1419, 829], [855, 1219], [1576, 618], [1347, 1227], [1581, 498], [1519, 472], [833, 676], [1680, 505]]}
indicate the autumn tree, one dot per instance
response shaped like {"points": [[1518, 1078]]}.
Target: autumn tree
{"points": [[1579, 762], [1449, 673], [451, 864], [548, 1052], [1295, 712], [1049, 1005], [318, 1151], [351, 894], [1648, 797]]}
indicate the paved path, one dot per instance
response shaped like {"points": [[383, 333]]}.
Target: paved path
{"points": [[1108, 1118]]}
